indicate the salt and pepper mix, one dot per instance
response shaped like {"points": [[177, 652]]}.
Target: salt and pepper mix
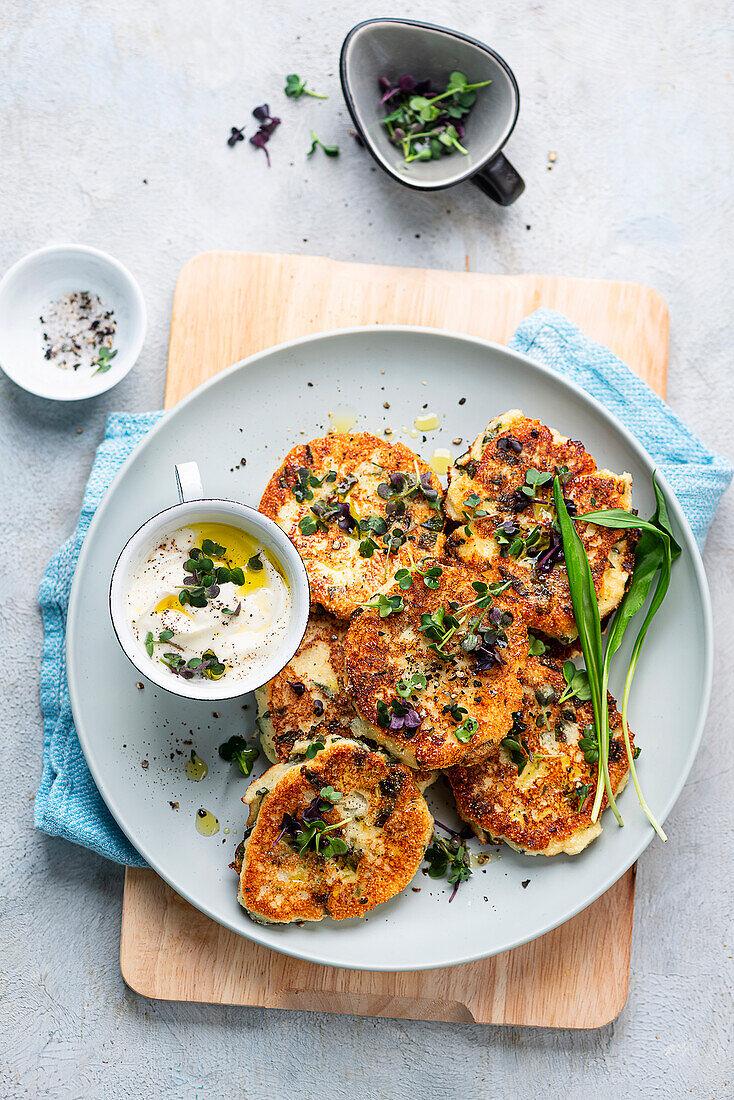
{"points": [[79, 332]]}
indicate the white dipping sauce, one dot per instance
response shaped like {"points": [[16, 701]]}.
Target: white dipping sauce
{"points": [[241, 642]]}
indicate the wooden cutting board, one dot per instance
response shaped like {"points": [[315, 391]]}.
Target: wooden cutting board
{"points": [[228, 305]]}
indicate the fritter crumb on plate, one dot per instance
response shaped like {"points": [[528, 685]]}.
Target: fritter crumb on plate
{"points": [[366, 806], [538, 798], [500, 492], [355, 507]]}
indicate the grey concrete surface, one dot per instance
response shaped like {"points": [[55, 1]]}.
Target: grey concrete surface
{"points": [[113, 119]]}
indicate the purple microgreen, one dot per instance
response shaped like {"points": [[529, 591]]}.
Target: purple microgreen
{"points": [[309, 831], [268, 124], [237, 133], [552, 555], [208, 665]]}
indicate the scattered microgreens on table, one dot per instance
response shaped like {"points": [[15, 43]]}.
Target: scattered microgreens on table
{"points": [[426, 124], [654, 554], [317, 143], [236, 750], [268, 125], [295, 87]]}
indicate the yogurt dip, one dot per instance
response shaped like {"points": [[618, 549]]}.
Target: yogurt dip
{"points": [[209, 602]]}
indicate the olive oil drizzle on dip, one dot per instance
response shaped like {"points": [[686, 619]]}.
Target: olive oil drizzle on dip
{"points": [[227, 627]]}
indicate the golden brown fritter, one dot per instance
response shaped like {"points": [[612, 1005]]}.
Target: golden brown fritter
{"points": [[354, 506], [306, 698], [461, 703], [369, 804], [509, 533], [539, 799]]}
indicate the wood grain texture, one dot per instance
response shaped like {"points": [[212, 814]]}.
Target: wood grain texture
{"points": [[228, 305], [574, 977]]}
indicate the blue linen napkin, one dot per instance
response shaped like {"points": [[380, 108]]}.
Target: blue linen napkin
{"points": [[698, 476], [68, 803]]}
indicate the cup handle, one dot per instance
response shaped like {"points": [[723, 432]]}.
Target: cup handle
{"points": [[500, 181], [188, 482]]}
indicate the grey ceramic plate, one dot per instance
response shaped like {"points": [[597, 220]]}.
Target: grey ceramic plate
{"points": [[257, 410]]}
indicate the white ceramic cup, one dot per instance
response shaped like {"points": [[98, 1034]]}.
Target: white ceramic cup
{"points": [[194, 507]]}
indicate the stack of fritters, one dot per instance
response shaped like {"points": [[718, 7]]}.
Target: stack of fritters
{"points": [[416, 659]]}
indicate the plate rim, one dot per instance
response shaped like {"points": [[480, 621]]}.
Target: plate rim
{"points": [[252, 931]]}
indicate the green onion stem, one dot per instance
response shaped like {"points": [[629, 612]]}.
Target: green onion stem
{"points": [[630, 758], [459, 91]]}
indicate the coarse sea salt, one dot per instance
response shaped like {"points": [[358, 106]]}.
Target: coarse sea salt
{"points": [[75, 329]]}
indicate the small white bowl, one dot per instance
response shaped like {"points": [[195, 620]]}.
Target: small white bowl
{"points": [[195, 508], [39, 279]]}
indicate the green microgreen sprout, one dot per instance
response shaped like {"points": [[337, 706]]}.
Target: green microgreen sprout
{"points": [[310, 832], [367, 547], [151, 640], [316, 143], [439, 628], [411, 685], [589, 744], [471, 510], [466, 729], [577, 683], [208, 665], [534, 479], [449, 858], [582, 793], [306, 481], [295, 87], [386, 605], [104, 360], [536, 647], [514, 744], [255, 563], [430, 573], [202, 577], [466, 725], [236, 750]]}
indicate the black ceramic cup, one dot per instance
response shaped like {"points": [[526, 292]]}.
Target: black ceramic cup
{"points": [[394, 47]]}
